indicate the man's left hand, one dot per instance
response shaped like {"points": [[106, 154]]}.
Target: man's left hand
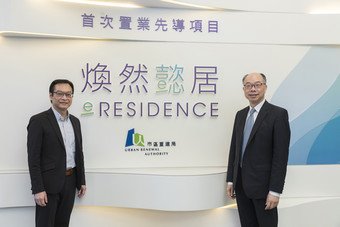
{"points": [[271, 202], [82, 191]]}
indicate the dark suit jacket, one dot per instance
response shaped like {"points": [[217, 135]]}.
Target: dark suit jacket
{"points": [[47, 154], [266, 154]]}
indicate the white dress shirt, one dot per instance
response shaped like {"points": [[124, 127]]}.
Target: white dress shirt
{"points": [[67, 132]]}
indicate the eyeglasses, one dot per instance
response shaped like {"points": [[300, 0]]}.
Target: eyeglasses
{"points": [[249, 86], [60, 94]]}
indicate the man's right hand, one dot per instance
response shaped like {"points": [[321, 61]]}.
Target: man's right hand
{"points": [[41, 198], [230, 191]]}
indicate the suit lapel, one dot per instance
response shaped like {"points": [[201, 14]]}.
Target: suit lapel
{"points": [[75, 130], [260, 117], [55, 126]]}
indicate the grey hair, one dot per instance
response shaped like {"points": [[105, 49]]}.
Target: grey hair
{"points": [[263, 77]]}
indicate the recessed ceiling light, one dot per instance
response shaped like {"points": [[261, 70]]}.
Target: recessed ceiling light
{"points": [[325, 9], [103, 3], [187, 4]]}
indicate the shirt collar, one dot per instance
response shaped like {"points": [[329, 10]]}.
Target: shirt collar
{"points": [[58, 115], [258, 106]]}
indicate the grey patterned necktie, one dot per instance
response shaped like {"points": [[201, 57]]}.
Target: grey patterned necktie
{"points": [[247, 130]]}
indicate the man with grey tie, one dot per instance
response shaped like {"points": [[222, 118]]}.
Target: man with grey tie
{"points": [[258, 156]]}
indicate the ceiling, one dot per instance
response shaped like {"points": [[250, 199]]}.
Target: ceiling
{"points": [[277, 6]]}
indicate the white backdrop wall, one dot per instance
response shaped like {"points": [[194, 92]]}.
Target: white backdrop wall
{"points": [[195, 147], [43, 40]]}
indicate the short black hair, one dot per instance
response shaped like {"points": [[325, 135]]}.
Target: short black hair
{"points": [[263, 77], [60, 81]]}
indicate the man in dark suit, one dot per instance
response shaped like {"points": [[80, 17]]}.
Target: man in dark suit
{"points": [[258, 156], [55, 158]]}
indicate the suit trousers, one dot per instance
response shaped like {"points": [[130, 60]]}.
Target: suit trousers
{"points": [[251, 211], [58, 210]]}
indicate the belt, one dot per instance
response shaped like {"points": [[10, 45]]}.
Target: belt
{"points": [[69, 172]]}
